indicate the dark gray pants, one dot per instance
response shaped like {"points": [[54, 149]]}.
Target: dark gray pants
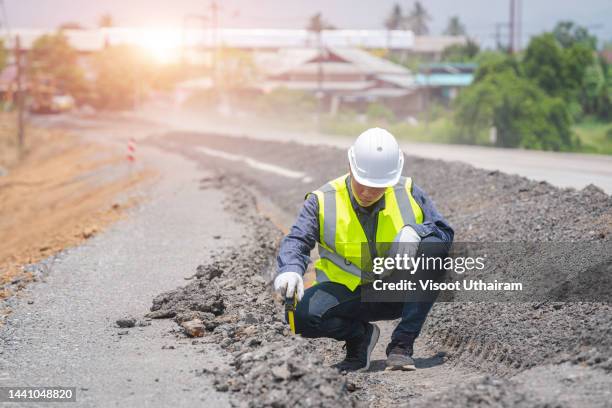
{"points": [[330, 309]]}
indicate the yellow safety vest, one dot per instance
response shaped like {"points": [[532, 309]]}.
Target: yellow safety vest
{"points": [[343, 246]]}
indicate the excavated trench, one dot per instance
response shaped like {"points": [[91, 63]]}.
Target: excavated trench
{"points": [[472, 353]]}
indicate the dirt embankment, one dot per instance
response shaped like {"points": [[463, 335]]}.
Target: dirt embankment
{"points": [[62, 191], [529, 348]]}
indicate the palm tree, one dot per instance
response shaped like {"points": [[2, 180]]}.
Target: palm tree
{"points": [[316, 24], [418, 19], [395, 21], [455, 27]]}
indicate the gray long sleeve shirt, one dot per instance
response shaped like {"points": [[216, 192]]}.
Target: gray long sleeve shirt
{"points": [[295, 248]]}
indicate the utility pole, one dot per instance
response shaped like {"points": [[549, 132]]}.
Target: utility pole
{"points": [[319, 79], [519, 23], [19, 96], [186, 39], [499, 27], [214, 10], [427, 96], [512, 27]]}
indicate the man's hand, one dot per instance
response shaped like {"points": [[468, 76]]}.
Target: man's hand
{"points": [[289, 284], [406, 242]]}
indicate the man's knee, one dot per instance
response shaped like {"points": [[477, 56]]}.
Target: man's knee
{"points": [[305, 321], [311, 309]]}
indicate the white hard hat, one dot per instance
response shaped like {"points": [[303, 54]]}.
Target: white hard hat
{"points": [[376, 159]]}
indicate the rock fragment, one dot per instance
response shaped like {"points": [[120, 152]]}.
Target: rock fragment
{"points": [[193, 328], [126, 322]]}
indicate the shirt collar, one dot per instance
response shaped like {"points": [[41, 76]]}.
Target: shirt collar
{"points": [[374, 208]]}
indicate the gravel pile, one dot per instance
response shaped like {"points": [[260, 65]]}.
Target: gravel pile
{"points": [[231, 300], [507, 340], [564, 385], [287, 372]]}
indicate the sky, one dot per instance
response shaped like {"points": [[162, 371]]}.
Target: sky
{"points": [[480, 16]]}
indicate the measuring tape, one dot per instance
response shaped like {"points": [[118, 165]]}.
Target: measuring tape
{"points": [[290, 304]]}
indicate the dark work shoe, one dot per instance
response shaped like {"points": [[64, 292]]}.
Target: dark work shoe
{"points": [[358, 352], [399, 355]]}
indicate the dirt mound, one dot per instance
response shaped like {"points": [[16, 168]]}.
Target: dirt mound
{"points": [[233, 300], [63, 191], [505, 339], [288, 372]]}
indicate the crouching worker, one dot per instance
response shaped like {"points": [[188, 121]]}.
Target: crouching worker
{"points": [[372, 204]]}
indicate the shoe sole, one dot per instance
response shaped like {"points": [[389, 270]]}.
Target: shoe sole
{"points": [[407, 367], [373, 341]]}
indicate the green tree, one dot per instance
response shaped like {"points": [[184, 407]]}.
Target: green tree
{"points": [[558, 71], [522, 113], [596, 92], [605, 106], [123, 74], [3, 55], [53, 60], [495, 62], [568, 34], [418, 19], [455, 27], [461, 52], [593, 85], [394, 21]]}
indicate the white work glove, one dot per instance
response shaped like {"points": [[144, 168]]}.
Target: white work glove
{"points": [[408, 241], [288, 284]]}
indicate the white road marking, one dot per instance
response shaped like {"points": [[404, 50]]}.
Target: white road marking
{"points": [[256, 164]]}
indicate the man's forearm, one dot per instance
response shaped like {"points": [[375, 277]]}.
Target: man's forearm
{"points": [[294, 252]]}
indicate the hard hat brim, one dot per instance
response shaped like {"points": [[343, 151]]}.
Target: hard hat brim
{"points": [[375, 182]]}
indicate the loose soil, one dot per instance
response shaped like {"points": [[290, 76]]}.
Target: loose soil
{"points": [[483, 354]]}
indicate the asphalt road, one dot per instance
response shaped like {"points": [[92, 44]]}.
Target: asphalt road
{"points": [[559, 169], [62, 330]]}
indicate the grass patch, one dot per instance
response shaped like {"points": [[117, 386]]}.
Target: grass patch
{"points": [[595, 136], [438, 130]]}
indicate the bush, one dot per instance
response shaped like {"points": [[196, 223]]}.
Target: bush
{"points": [[522, 113], [379, 112], [285, 101]]}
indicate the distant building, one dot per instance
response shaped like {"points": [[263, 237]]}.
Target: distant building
{"points": [[431, 47], [90, 40], [607, 56], [344, 73], [341, 76], [442, 81], [398, 41]]}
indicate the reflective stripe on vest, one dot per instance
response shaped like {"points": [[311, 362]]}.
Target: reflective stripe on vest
{"points": [[343, 248]]}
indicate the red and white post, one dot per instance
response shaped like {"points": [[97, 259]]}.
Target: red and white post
{"points": [[131, 155]]}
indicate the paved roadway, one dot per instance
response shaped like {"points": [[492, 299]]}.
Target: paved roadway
{"points": [[62, 330], [560, 169]]}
